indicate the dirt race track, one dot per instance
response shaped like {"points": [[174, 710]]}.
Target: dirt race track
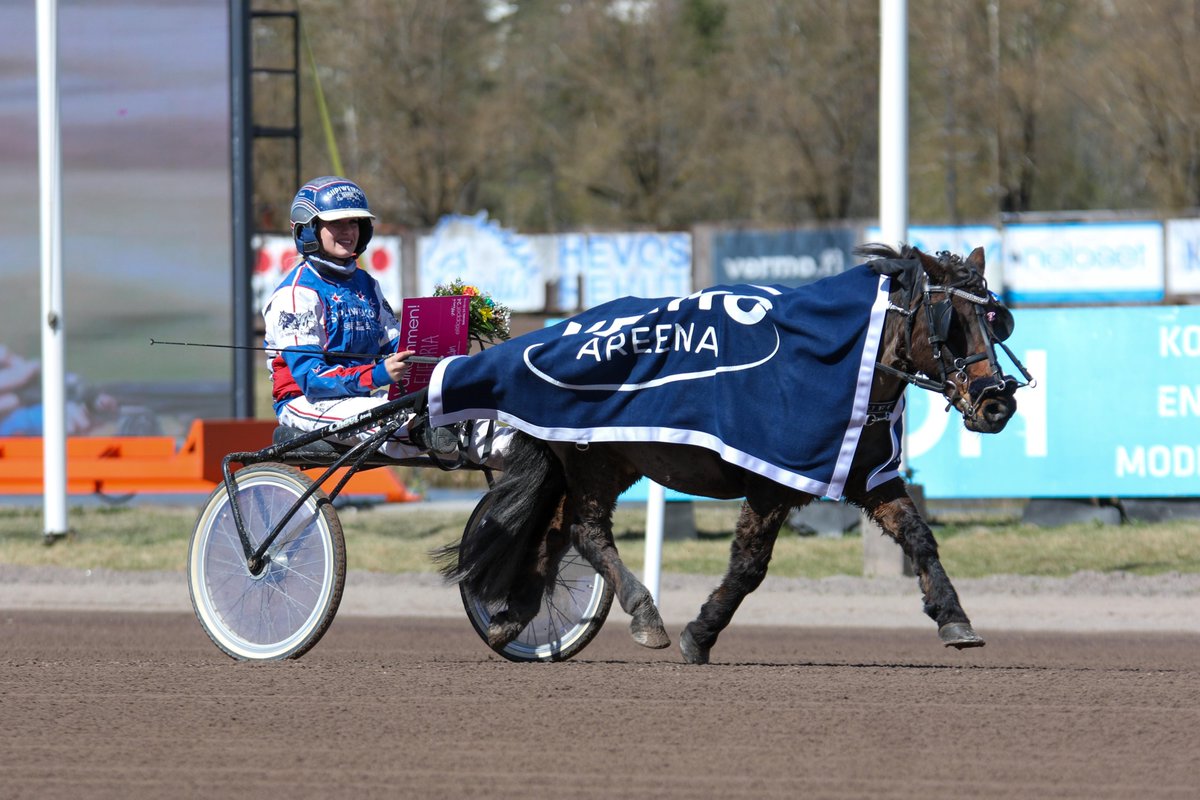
{"points": [[138, 705]]}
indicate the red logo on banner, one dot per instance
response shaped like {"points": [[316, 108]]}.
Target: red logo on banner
{"points": [[263, 263], [380, 260]]}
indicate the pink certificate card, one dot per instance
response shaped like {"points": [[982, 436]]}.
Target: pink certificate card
{"points": [[431, 326]]}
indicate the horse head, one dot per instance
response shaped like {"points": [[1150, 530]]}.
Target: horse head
{"points": [[946, 331]]}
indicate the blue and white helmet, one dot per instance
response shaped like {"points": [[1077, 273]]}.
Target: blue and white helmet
{"points": [[327, 199]]}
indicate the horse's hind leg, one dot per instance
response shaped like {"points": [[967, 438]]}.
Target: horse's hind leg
{"points": [[750, 553], [525, 597], [890, 506], [593, 538]]}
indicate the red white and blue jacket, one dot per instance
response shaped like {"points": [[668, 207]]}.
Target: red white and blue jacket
{"points": [[316, 312]]}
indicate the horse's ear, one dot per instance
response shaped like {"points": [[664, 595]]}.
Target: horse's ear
{"points": [[975, 260], [933, 267]]}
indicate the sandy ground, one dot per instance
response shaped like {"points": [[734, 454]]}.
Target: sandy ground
{"points": [[1088, 688], [108, 704]]}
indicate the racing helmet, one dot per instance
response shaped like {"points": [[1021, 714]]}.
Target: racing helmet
{"points": [[327, 199]]}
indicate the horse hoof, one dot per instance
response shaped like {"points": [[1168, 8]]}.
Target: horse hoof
{"points": [[654, 638], [692, 653], [647, 626], [500, 635], [960, 635]]}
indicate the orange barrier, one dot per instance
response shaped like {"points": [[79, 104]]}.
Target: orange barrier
{"points": [[119, 465]]}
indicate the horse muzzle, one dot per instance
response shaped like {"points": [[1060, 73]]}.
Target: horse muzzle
{"points": [[990, 404]]}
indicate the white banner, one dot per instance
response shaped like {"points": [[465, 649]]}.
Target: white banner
{"points": [[1183, 257], [1084, 262], [612, 265], [496, 261]]}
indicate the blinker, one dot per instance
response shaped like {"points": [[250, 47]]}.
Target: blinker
{"points": [[1000, 320], [941, 313]]}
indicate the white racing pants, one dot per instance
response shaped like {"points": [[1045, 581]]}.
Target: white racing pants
{"points": [[485, 443]]}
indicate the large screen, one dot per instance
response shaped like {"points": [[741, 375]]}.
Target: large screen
{"points": [[146, 243]]}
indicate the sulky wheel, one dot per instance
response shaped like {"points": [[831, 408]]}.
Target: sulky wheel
{"points": [[569, 618], [286, 607]]}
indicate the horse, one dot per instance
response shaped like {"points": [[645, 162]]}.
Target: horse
{"points": [[940, 332]]}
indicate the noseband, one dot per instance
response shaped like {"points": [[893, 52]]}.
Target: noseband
{"points": [[995, 325]]}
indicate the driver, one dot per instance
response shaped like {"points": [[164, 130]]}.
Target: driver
{"points": [[327, 305]]}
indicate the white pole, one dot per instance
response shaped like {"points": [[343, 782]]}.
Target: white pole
{"points": [[880, 555], [893, 121], [655, 511], [54, 416]]}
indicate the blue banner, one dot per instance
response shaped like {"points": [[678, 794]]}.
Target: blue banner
{"points": [[786, 258], [1115, 413]]}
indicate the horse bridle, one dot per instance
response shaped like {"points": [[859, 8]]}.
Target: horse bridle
{"points": [[995, 321]]}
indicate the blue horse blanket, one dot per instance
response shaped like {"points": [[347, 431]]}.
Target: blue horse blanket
{"points": [[772, 379]]}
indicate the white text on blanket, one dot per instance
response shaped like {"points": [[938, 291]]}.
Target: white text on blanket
{"points": [[610, 337]]}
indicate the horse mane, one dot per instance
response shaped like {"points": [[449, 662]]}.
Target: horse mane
{"points": [[904, 264]]}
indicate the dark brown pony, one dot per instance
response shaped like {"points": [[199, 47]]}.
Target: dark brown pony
{"points": [[940, 333]]}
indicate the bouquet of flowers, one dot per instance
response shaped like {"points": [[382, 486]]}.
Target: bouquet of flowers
{"points": [[488, 322]]}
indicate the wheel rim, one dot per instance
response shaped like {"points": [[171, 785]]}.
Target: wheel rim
{"points": [[267, 615], [566, 615]]}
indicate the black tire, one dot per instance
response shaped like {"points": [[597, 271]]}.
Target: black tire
{"points": [[286, 609], [569, 617]]}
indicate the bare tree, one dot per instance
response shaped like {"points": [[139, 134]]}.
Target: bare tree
{"points": [[661, 113], [1152, 90], [404, 82], [809, 72]]}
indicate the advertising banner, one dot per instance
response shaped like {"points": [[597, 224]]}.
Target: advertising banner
{"points": [[1110, 262], [1115, 412], [276, 255], [788, 258], [1183, 257], [607, 266], [478, 251]]}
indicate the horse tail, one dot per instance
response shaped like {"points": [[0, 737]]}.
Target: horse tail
{"points": [[499, 549]]}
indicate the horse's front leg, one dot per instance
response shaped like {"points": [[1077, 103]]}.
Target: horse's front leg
{"points": [[894, 511], [753, 543], [593, 538]]}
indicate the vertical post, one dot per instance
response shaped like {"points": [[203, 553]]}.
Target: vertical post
{"points": [[655, 512], [242, 180], [54, 415], [881, 556], [893, 121]]}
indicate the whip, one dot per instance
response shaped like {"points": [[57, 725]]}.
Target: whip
{"points": [[325, 353]]}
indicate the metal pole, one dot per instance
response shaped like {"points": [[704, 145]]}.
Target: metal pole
{"points": [[54, 414], [242, 179], [655, 511]]}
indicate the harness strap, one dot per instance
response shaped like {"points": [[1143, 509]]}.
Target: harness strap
{"points": [[880, 412], [965, 295]]}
